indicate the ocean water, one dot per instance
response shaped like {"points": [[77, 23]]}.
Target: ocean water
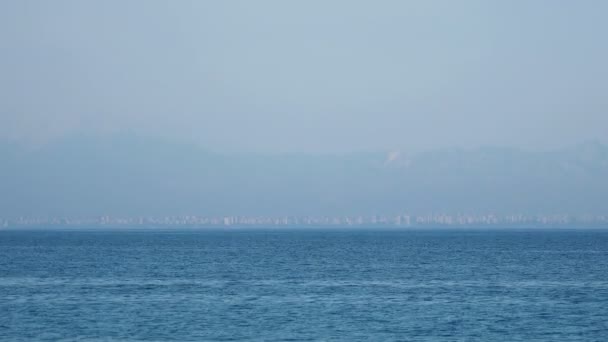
{"points": [[304, 285]]}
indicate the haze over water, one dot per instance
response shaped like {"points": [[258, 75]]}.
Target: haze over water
{"points": [[151, 108], [153, 114]]}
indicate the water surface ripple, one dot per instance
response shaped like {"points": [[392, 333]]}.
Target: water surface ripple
{"points": [[304, 285]]}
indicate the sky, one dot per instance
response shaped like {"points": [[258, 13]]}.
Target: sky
{"points": [[306, 76]]}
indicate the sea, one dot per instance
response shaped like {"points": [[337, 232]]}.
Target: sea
{"points": [[304, 285]]}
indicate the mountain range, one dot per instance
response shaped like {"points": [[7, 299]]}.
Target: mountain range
{"points": [[147, 177]]}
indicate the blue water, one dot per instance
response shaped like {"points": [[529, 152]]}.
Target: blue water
{"points": [[304, 285]]}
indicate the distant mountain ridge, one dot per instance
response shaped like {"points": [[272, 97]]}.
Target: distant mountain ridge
{"points": [[133, 176]]}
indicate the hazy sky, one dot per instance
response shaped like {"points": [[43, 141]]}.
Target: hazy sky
{"points": [[307, 76]]}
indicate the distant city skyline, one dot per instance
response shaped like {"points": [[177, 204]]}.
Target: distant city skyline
{"points": [[407, 220]]}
